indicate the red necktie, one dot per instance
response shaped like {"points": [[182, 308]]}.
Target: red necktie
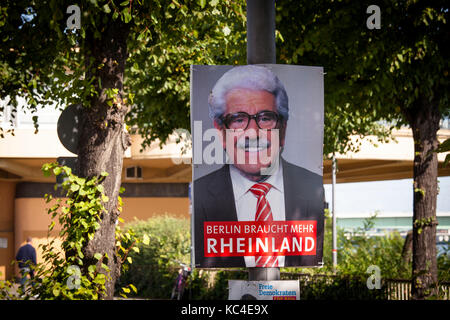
{"points": [[263, 213]]}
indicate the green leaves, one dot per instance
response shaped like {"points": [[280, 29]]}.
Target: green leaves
{"points": [[106, 8], [126, 15], [74, 187], [447, 160], [145, 239], [98, 256], [126, 290], [162, 241], [182, 34], [420, 224], [46, 169], [164, 40], [56, 292], [100, 279], [420, 191], [67, 274], [445, 147], [382, 74]]}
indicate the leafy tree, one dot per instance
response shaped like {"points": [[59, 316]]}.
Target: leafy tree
{"points": [[129, 60], [397, 73]]}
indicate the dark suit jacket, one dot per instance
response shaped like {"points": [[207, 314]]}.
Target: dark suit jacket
{"points": [[214, 201], [26, 253]]}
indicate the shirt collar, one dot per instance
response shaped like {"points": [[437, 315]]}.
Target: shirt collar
{"points": [[241, 184]]}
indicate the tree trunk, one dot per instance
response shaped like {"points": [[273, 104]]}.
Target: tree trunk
{"points": [[424, 120], [103, 139]]}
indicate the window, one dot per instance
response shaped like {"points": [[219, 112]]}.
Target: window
{"points": [[134, 172]]}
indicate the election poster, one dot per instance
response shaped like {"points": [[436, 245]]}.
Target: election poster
{"points": [[263, 290], [257, 138]]}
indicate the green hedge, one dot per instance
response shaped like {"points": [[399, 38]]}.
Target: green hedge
{"points": [[335, 287], [154, 268]]}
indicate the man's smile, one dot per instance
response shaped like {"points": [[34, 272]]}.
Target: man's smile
{"points": [[253, 145]]}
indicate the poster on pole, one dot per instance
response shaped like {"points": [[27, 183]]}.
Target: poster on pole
{"points": [[257, 138], [263, 290]]}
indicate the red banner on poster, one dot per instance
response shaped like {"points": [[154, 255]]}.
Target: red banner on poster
{"points": [[250, 238]]}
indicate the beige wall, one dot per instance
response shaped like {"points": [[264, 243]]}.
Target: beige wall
{"points": [[144, 208], [7, 193], [6, 256], [31, 218]]}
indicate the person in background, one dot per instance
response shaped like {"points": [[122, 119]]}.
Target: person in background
{"points": [[26, 257]]}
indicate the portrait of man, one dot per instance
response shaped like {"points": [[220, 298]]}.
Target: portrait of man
{"points": [[250, 110]]}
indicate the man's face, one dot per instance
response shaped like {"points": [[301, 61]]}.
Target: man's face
{"points": [[252, 148]]}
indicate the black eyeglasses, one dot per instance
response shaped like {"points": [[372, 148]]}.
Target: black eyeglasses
{"points": [[240, 120]]}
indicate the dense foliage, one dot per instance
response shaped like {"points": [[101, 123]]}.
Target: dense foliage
{"points": [[76, 208], [44, 62], [398, 73], [157, 264], [371, 74], [155, 268]]}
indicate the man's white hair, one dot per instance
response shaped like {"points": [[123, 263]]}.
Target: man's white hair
{"points": [[247, 77]]}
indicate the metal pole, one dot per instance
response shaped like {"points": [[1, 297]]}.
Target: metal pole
{"points": [[261, 49], [333, 204], [261, 31]]}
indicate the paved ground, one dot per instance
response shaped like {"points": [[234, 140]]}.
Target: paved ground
{"points": [[14, 292]]}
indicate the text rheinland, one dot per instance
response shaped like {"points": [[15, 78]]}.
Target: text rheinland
{"points": [[248, 238]]}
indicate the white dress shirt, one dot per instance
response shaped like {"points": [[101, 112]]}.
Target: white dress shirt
{"points": [[245, 201]]}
